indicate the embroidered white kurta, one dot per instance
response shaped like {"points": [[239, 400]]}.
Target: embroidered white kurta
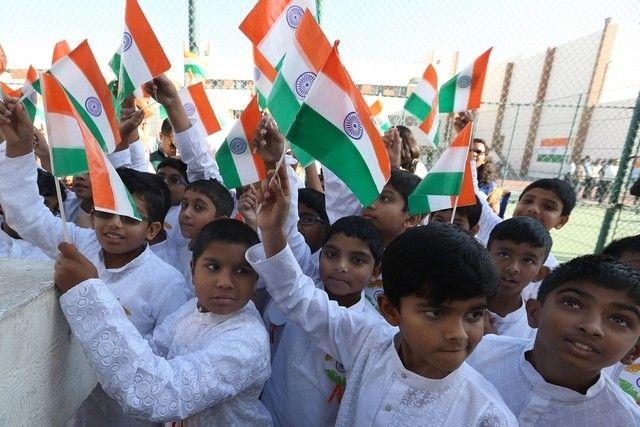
{"points": [[204, 368], [535, 402], [379, 391], [514, 324]]}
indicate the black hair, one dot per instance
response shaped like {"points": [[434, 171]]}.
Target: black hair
{"points": [[471, 212], [560, 188], [363, 229], [601, 270], [439, 262], [404, 183], [177, 164], [150, 188], [313, 199], [47, 185], [522, 229], [216, 192], [618, 247], [166, 128], [227, 230]]}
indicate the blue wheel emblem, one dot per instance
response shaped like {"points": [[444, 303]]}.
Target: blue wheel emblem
{"points": [[34, 97], [340, 367], [294, 16], [464, 81], [127, 41], [93, 106], [256, 74], [352, 125], [189, 108], [304, 82], [238, 146]]}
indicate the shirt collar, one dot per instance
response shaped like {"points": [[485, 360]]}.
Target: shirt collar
{"points": [[139, 260]]}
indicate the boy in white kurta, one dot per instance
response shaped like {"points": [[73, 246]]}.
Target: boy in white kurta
{"points": [[205, 364], [588, 317], [417, 375]]}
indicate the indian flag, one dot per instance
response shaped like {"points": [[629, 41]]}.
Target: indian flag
{"points": [[445, 177], [80, 76], [379, 116], [8, 91], [423, 104], [334, 125], [60, 50], [142, 57], [198, 109], [464, 91], [194, 65], [68, 156], [29, 96], [271, 23], [238, 164], [263, 77], [552, 150]]}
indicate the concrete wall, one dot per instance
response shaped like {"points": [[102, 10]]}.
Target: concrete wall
{"points": [[44, 375]]}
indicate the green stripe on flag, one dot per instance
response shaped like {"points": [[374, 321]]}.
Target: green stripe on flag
{"points": [[434, 184], [36, 86], [551, 158], [88, 121], [125, 85], [262, 101], [417, 107], [227, 166], [325, 142], [197, 70], [419, 204], [114, 63], [31, 109], [69, 161], [447, 95]]}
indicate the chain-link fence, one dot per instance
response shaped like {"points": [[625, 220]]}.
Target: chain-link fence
{"points": [[561, 86]]}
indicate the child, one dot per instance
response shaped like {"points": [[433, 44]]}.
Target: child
{"points": [[436, 283], [306, 385], [205, 364], [626, 250], [166, 147], [147, 288], [174, 173], [588, 317], [518, 246], [467, 217], [313, 222]]}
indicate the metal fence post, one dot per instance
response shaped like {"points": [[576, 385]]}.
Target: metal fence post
{"points": [[506, 161], [616, 188], [566, 149], [193, 44]]}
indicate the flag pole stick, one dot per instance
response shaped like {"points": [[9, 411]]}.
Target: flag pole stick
{"points": [[65, 232], [455, 206]]}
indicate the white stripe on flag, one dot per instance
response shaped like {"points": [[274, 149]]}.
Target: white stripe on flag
{"points": [[425, 91], [245, 166], [192, 113], [438, 203], [293, 67], [134, 64], [452, 160], [64, 131], [122, 203], [461, 100], [274, 43]]}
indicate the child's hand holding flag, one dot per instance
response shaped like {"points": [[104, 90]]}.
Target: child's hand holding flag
{"points": [[16, 127]]}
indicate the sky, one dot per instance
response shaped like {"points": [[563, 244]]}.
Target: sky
{"points": [[382, 41]]}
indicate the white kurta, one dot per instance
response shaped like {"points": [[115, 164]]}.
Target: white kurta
{"points": [[208, 369], [379, 391], [537, 403], [19, 249], [514, 324]]}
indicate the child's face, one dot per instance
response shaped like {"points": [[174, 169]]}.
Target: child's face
{"points": [[196, 211], [223, 279], [460, 220], [346, 265], [518, 265], [543, 205], [82, 186], [632, 259], [436, 339], [175, 182], [312, 227], [388, 213], [167, 146], [583, 327]]}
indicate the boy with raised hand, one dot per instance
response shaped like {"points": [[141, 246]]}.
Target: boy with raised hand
{"points": [[436, 281], [518, 246], [588, 318], [147, 288], [205, 364]]}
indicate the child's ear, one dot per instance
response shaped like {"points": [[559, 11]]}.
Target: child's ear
{"points": [[474, 230], [632, 355], [153, 229], [542, 273], [533, 308], [388, 310], [563, 220], [411, 221], [376, 271]]}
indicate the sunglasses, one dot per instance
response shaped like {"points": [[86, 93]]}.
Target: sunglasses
{"points": [[127, 220], [310, 219], [173, 179], [478, 152]]}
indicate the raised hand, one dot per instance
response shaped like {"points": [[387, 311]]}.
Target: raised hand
{"points": [[162, 90], [71, 268], [273, 210], [41, 148], [268, 142], [16, 127], [130, 118], [461, 120], [248, 206], [393, 144]]}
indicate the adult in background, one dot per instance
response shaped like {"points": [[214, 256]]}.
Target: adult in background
{"points": [[409, 151]]}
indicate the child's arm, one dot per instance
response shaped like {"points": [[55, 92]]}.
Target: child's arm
{"points": [[131, 118], [144, 384], [191, 144], [336, 330]]}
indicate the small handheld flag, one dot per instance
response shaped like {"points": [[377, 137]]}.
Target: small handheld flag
{"points": [[464, 91]]}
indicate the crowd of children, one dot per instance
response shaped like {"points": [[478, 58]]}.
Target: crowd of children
{"points": [[281, 305]]}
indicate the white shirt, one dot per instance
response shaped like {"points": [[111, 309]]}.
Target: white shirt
{"points": [[537, 403], [205, 368], [19, 249], [339, 199], [531, 290], [514, 324], [379, 390]]}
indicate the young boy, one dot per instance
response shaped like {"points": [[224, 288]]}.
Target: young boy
{"points": [[146, 287], [205, 364], [588, 317], [436, 283], [313, 222], [166, 147], [518, 246], [626, 250], [174, 173], [467, 217], [306, 385]]}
